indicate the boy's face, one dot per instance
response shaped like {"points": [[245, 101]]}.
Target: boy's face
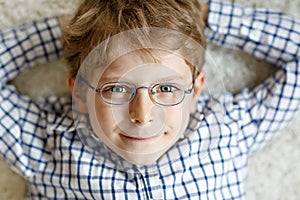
{"points": [[141, 130]]}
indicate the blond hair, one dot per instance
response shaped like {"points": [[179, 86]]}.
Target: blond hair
{"points": [[97, 20]]}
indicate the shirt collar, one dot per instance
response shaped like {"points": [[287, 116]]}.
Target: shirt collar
{"points": [[61, 122]]}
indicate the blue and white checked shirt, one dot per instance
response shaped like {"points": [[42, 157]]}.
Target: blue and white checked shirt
{"points": [[38, 139]]}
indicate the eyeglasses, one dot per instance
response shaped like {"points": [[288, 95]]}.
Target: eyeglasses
{"points": [[119, 93]]}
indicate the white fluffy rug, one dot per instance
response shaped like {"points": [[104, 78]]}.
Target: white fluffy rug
{"points": [[274, 172]]}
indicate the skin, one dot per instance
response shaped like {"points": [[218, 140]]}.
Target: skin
{"points": [[141, 131]]}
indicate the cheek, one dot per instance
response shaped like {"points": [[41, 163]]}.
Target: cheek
{"points": [[104, 115], [186, 107], [104, 118], [174, 117], [178, 117]]}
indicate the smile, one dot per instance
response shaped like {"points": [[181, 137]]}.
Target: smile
{"points": [[140, 139]]}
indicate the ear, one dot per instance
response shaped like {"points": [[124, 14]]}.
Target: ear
{"points": [[198, 86], [80, 103], [199, 83]]}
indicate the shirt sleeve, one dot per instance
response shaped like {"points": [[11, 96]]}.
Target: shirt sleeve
{"points": [[28, 45], [20, 49], [273, 37]]}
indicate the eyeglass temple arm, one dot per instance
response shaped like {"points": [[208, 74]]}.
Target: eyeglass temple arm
{"points": [[87, 83], [189, 91]]}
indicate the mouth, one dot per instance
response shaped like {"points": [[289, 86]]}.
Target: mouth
{"points": [[141, 139]]}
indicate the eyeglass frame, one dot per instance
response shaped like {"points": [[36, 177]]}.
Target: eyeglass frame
{"points": [[150, 92]]}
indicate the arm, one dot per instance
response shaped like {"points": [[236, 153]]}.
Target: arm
{"points": [[20, 49], [266, 34], [275, 38], [26, 46]]}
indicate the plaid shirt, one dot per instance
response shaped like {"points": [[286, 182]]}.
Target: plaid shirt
{"points": [[39, 141]]}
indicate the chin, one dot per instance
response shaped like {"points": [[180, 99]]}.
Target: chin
{"points": [[142, 159]]}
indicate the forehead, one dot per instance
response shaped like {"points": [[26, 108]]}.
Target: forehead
{"points": [[145, 65]]}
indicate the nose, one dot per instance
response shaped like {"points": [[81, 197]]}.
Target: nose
{"points": [[140, 108]]}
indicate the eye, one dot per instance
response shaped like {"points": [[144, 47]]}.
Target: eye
{"points": [[117, 88], [166, 88]]}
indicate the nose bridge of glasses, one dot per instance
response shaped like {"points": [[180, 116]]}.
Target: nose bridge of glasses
{"points": [[149, 89], [143, 87]]}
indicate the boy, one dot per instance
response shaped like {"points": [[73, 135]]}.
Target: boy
{"points": [[41, 143]]}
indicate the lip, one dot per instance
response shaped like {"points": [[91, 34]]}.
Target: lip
{"points": [[137, 139]]}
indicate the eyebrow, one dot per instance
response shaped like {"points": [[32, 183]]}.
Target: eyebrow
{"points": [[162, 79], [171, 78]]}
